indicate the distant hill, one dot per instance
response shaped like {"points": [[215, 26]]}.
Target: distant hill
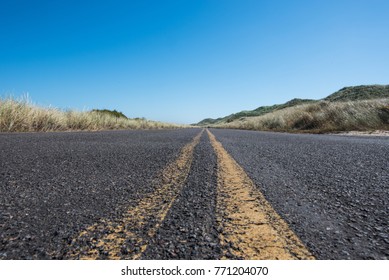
{"points": [[345, 94], [113, 113], [359, 93], [254, 113]]}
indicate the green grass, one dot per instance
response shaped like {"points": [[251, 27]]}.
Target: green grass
{"points": [[321, 116], [20, 115]]}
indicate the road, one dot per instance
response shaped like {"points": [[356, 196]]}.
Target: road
{"points": [[193, 194]]}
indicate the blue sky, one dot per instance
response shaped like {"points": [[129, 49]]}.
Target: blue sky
{"points": [[182, 61]]}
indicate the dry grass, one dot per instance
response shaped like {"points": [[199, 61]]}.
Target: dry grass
{"points": [[23, 116], [322, 116]]}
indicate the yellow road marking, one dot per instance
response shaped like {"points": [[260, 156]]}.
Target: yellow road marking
{"points": [[251, 229], [127, 235]]}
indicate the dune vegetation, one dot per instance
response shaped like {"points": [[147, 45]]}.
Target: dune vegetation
{"points": [[21, 115], [321, 116], [355, 108]]}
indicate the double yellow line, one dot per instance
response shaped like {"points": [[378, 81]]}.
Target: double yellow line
{"points": [[251, 229], [139, 222]]}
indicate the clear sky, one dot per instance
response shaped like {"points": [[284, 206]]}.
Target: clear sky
{"points": [[182, 61]]}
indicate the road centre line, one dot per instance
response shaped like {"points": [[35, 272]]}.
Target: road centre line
{"points": [[127, 237], [250, 227]]}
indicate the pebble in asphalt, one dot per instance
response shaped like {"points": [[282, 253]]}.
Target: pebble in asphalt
{"points": [[189, 229], [332, 190], [53, 185]]}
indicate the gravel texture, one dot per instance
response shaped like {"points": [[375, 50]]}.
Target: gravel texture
{"points": [[332, 190], [189, 229], [53, 185]]}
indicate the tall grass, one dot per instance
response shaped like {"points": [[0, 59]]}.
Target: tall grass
{"points": [[20, 115], [322, 116]]}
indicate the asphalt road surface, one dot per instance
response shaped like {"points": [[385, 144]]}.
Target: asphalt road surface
{"points": [[193, 194]]}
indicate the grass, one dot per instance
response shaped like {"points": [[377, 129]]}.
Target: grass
{"points": [[359, 93], [21, 115], [321, 116], [254, 113], [346, 94]]}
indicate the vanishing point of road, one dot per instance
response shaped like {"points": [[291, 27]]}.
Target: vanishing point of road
{"points": [[193, 194]]}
